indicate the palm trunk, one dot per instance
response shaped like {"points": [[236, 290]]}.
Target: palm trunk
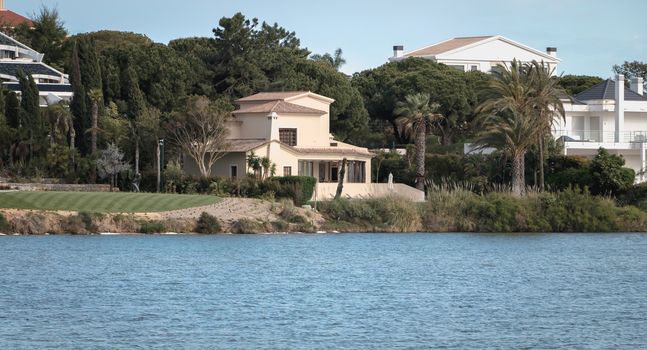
{"points": [[340, 184], [420, 158], [159, 167], [541, 164], [518, 179], [136, 155], [72, 140], [95, 126]]}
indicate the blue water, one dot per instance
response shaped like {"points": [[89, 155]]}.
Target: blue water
{"points": [[355, 291]]}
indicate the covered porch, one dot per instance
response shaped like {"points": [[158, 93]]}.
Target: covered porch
{"points": [[327, 171]]}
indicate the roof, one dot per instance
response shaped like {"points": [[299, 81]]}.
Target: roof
{"points": [[272, 96], [456, 44], [246, 145], [335, 150], [445, 46], [242, 145], [9, 41], [278, 107], [42, 87], [606, 90], [11, 68], [283, 96], [12, 19]]}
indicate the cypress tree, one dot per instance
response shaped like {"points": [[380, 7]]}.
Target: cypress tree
{"points": [[12, 110], [78, 105], [29, 103]]}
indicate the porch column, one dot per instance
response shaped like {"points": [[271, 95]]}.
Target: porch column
{"points": [[620, 106], [643, 162]]}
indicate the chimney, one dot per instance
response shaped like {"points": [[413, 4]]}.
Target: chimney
{"points": [[1, 4], [620, 106], [398, 50], [637, 85], [551, 51]]}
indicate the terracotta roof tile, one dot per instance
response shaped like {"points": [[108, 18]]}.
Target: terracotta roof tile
{"points": [[12, 19], [445, 46], [271, 96], [278, 106], [242, 145], [335, 150]]}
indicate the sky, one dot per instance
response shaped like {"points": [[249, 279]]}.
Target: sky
{"points": [[590, 35]]}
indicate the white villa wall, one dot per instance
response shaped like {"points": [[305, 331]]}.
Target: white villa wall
{"points": [[221, 166], [326, 191], [309, 130], [250, 126], [490, 54], [324, 120]]}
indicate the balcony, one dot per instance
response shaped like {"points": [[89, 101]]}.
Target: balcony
{"points": [[600, 136]]}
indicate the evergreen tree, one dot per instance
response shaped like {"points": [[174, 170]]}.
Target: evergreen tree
{"points": [[78, 105], [29, 103], [12, 110]]}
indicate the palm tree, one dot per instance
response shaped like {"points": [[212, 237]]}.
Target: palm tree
{"points": [[521, 101], [415, 116], [335, 60], [546, 93], [95, 96]]}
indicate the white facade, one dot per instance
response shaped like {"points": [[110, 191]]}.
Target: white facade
{"points": [[292, 129], [609, 116], [479, 53], [53, 85]]}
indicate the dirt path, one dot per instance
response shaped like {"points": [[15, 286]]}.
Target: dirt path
{"points": [[228, 210]]}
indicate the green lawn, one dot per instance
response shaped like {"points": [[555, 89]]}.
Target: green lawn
{"points": [[103, 202]]}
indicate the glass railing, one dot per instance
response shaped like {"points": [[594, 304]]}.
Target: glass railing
{"points": [[601, 136]]}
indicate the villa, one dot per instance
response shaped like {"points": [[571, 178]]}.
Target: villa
{"points": [[292, 129], [53, 85], [610, 116], [478, 53]]}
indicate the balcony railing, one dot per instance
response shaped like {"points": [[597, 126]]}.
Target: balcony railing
{"points": [[601, 136]]}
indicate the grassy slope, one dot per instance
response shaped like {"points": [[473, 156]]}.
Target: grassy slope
{"points": [[103, 202]]}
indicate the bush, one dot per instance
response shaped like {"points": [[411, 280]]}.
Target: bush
{"points": [[249, 226], [208, 224], [73, 225], [391, 214], [152, 227], [5, 226], [297, 188]]}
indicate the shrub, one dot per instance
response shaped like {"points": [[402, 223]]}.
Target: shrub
{"points": [[248, 226], [5, 226], [280, 226], [298, 188], [208, 224], [73, 225], [152, 227], [392, 214]]}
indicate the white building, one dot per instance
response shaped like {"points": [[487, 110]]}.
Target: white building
{"points": [[53, 85], [610, 116], [292, 129], [478, 53]]}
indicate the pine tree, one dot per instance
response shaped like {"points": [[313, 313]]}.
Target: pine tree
{"points": [[12, 110]]}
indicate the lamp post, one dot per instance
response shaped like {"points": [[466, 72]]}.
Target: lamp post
{"points": [[160, 162]]}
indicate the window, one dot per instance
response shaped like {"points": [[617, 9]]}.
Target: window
{"points": [[287, 171], [356, 171], [288, 136], [305, 168], [474, 68], [233, 171], [459, 67]]}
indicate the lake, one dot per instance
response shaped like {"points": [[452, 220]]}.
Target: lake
{"points": [[328, 291]]}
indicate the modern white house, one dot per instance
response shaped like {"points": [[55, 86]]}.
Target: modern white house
{"points": [[478, 53], [610, 116], [53, 85], [292, 129]]}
